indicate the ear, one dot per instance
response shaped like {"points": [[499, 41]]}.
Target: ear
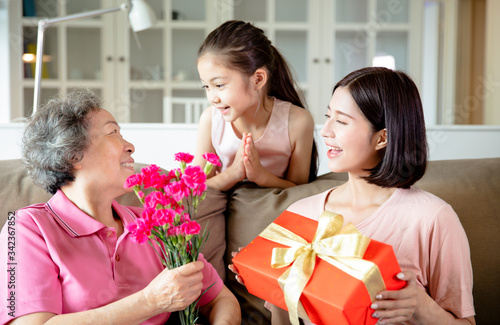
{"points": [[259, 78], [381, 139], [77, 165]]}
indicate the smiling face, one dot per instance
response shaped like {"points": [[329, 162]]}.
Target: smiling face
{"points": [[227, 89], [107, 162], [352, 145]]}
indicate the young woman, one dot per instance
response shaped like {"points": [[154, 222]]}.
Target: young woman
{"points": [[375, 132], [256, 123]]}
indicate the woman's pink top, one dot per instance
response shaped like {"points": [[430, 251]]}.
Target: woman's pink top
{"points": [[274, 146], [65, 261]]}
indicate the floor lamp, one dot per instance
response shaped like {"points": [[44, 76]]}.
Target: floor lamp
{"points": [[141, 17]]}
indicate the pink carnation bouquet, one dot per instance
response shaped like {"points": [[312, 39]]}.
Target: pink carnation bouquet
{"points": [[168, 219]]}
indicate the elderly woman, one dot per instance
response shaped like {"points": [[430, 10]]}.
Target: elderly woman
{"points": [[75, 260]]}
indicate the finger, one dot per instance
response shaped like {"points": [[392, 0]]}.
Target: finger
{"points": [[190, 268], [246, 162], [239, 279], [393, 320], [407, 276], [407, 303], [233, 268]]}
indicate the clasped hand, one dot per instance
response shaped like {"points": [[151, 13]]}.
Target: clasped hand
{"points": [[246, 163]]}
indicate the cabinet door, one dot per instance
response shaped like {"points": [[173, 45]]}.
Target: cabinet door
{"points": [[290, 25], [162, 62], [72, 53]]}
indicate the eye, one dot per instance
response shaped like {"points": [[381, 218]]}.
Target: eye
{"points": [[327, 116], [340, 122], [204, 87], [220, 86]]}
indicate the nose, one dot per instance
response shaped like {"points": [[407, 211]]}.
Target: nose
{"points": [[129, 147], [213, 97], [327, 130]]}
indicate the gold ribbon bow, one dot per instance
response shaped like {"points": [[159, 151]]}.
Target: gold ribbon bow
{"points": [[341, 247]]}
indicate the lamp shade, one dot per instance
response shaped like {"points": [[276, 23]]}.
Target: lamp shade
{"points": [[141, 16]]}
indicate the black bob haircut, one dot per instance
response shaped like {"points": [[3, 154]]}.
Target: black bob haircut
{"points": [[390, 99]]}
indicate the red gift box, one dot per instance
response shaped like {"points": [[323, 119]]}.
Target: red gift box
{"points": [[331, 295]]}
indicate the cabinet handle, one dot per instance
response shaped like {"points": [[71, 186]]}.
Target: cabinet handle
{"points": [[316, 60], [109, 58], [122, 59], [327, 60]]}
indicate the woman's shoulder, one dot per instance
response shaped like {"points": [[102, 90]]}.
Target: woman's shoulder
{"points": [[34, 211], [311, 206], [427, 205], [426, 198]]}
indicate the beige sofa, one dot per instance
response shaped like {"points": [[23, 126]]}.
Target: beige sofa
{"points": [[472, 187]]}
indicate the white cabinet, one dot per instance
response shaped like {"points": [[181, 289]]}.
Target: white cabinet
{"points": [[136, 74], [323, 40]]}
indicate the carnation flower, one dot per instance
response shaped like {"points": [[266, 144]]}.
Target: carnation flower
{"points": [[212, 158], [168, 221], [184, 157]]}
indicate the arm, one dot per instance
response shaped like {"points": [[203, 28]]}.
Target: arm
{"points": [[170, 291], [449, 278], [411, 302], [223, 309], [301, 131], [204, 139], [231, 175], [256, 172]]}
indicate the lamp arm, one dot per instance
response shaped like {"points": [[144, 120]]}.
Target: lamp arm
{"points": [[42, 25]]}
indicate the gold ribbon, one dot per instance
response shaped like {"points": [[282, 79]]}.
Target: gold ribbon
{"points": [[343, 248]]}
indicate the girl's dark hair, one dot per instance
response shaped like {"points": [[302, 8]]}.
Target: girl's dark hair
{"points": [[56, 136], [390, 99], [242, 46]]}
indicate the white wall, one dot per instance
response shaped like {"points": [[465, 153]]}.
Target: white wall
{"points": [[157, 143]]}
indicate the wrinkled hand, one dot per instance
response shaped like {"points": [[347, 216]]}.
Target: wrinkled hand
{"points": [[234, 269], [394, 307], [175, 289], [251, 160]]}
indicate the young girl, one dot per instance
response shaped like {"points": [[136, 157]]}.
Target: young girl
{"points": [[256, 123], [375, 132]]}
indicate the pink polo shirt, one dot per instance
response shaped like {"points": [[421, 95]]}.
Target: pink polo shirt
{"points": [[60, 260]]}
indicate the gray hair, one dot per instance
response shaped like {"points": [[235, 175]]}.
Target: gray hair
{"points": [[55, 138]]}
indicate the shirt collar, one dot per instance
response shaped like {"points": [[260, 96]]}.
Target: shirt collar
{"points": [[76, 222]]}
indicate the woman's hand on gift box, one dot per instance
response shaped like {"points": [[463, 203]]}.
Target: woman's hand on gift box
{"points": [[411, 302], [233, 268], [395, 307]]}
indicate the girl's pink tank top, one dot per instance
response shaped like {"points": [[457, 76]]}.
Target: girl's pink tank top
{"points": [[274, 146]]}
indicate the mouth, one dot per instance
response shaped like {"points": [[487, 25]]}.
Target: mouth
{"points": [[333, 151], [128, 164], [222, 109]]}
